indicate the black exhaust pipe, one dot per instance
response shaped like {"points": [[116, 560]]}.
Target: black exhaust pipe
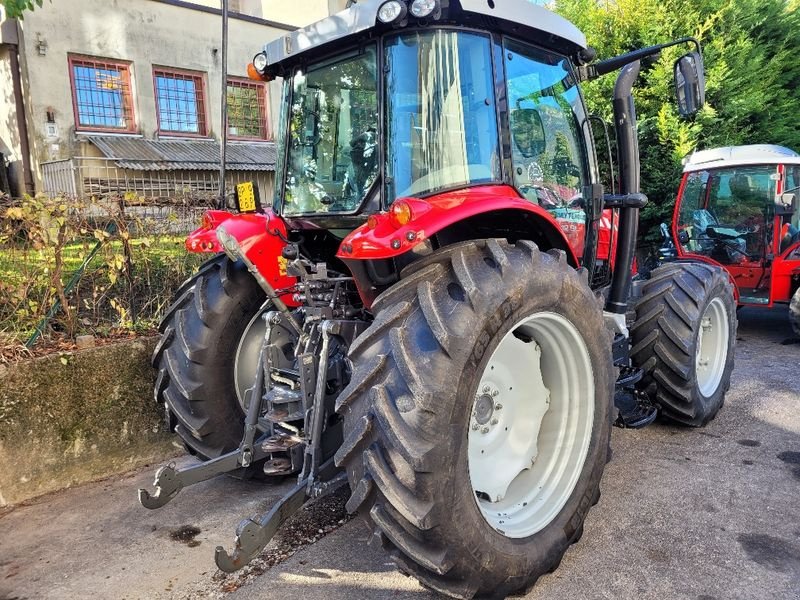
{"points": [[628, 150]]}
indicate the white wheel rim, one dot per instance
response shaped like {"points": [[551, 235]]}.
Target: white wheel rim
{"points": [[245, 362], [712, 347], [531, 424]]}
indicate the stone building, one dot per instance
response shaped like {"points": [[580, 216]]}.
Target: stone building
{"points": [[108, 96]]}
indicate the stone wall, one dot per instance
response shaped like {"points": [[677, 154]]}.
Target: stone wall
{"points": [[70, 418]]}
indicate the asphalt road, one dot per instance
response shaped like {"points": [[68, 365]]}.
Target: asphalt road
{"points": [[685, 514]]}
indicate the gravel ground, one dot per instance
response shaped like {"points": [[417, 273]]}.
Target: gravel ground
{"points": [[696, 514]]}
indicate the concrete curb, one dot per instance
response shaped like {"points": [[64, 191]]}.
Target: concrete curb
{"points": [[70, 418]]}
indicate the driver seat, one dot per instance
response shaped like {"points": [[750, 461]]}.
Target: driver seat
{"points": [[789, 236]]}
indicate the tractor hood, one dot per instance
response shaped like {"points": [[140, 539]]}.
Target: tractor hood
{"points": [[521, 17]]}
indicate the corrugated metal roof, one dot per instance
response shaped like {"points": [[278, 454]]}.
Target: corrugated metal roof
{"points": [[195, 155]]}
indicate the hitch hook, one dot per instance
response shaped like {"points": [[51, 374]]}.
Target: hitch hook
{"points": [[167, 484], [253, 534]]}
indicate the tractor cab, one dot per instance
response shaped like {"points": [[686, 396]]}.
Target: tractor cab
{"points": [[428, 100], [738, 207], [457, 116]]}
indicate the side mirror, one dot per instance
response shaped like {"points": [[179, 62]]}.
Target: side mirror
{"points": [[528, 131], [690, 83], [788, 204], [683, 237]]}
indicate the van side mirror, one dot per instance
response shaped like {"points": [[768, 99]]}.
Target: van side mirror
{"points": [[690, 83], [788, 204]]}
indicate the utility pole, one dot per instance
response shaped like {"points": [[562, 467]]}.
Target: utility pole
{"points": [[223, 142]]}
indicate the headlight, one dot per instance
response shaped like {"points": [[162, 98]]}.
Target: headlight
{"points": [[229, 244], [260, 62], [392, 11], [422, 8]]}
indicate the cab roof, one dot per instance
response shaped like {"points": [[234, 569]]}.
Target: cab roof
{"points": [[733, 156], [515, 16]]}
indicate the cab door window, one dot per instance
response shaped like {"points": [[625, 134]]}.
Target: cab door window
{"points": [[545, 117], [793, 187]]}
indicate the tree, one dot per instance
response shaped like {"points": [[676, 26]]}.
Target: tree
{"points": [[15, 9], [753, 80]]}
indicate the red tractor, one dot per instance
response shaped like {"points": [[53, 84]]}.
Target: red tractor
{"points": [[439, 308], [738, 208]]}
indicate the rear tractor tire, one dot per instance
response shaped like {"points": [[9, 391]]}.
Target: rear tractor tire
{"points": [[478, 417], [794, 312], [208, 356], [683, 338]]}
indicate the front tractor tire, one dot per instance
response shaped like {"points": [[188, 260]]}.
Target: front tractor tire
{"points": [[683, 338], [208, 355], [794, 313], [478, 417]]}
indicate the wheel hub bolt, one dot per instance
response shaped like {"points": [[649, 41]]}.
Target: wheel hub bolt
{"points": [[495, 392], [475, 427], [494, 421], [486, 389], [498, 406], [485, 430]]}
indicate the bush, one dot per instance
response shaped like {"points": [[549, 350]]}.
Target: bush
{"points": [[91, 266]]}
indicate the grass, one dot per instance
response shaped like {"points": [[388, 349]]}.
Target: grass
{"points": [[104, 299], [16, 261]]}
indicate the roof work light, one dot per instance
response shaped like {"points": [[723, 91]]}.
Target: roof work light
{"points": [[392, 11]]}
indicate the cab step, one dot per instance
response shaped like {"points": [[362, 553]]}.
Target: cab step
{"points": [[635, 409], [280, 442]]}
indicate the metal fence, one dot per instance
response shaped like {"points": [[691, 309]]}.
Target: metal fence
{"points": [[59, 178], [173, 197]]}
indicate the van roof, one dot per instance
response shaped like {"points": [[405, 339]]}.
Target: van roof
{"points": [[731, 156]]}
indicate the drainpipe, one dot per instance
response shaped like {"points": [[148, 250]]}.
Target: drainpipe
{"points": [[223, 138], [22, 119]]}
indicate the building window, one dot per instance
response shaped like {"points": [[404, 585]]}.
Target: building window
{"points": [[247, 110], [180, 102], [101, 94]]}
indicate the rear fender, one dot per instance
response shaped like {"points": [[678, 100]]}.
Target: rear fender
{"points": [[477, 212], [261, 238], [448, 218], [204, 238]]}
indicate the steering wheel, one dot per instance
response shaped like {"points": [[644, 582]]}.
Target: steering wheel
{"points": [[726, 240], [718, 232]]}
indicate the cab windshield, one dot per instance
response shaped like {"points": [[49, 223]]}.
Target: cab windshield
{"points": [[727, 213], [441, 119], [439, 131], [332, 137]]}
